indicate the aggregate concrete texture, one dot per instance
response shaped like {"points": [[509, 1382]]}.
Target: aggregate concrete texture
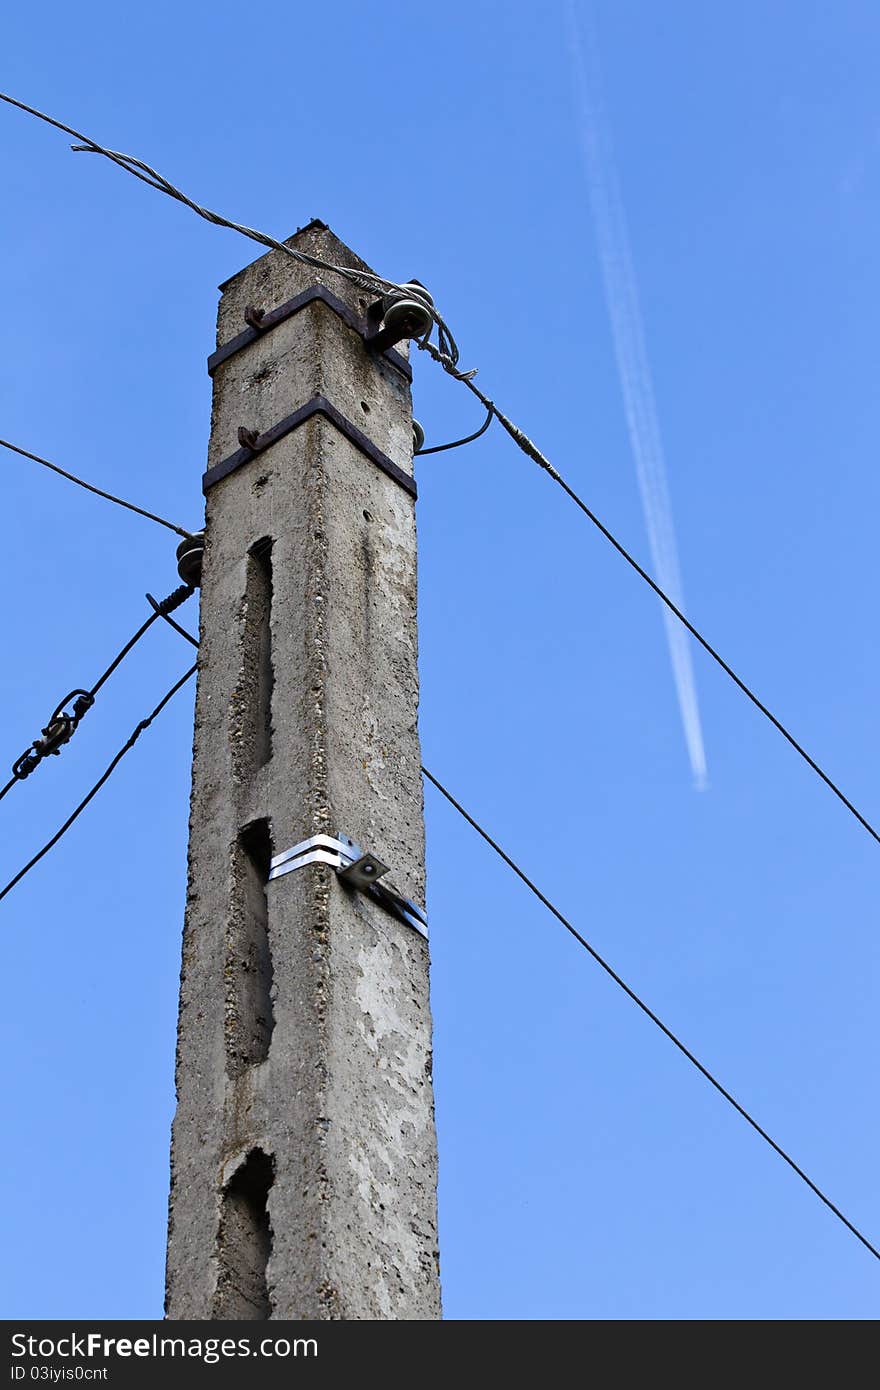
{"points": [[304, 1161]]}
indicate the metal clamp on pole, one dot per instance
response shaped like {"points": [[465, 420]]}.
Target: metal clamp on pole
{"points": [[354, 866]]}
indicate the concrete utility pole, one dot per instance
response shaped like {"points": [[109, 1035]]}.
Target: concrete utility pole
{"points": [[304, 1162]]}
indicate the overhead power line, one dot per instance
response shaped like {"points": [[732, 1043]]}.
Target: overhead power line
{"points": [[62, 725], [446, 354], [90, 487], [531, 450], [637, 1000], [362, 278], [129, 744]]}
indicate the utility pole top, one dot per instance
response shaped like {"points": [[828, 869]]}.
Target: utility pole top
{"points": [[304, 1151]]}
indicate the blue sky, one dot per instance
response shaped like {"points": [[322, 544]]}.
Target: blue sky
{"points": [[586, 1170]]}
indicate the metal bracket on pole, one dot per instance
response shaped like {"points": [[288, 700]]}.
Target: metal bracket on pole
{"points": [[253, 443], [356, 867], [260, 321]]}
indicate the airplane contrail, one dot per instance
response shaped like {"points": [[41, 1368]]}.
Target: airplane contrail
{"points": [[628, 333]]}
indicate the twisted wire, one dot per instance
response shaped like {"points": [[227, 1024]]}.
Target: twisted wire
{"points": [[161, 613]]}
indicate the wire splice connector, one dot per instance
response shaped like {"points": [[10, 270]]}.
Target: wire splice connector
{"points": [[59, 730]]}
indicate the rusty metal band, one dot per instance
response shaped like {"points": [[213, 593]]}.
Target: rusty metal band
{"points": [[318, 405], [273, 317]]}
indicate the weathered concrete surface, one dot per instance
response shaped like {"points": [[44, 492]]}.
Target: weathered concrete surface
{"points": [[305, 1105]]}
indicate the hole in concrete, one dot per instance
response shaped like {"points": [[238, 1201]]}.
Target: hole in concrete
{"points": [[249, 973], [368, 516], [257, 677], [365, 408], [245, 1242]]}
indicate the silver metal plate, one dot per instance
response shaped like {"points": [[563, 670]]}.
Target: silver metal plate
{"points": [[315, 856], [314, 841]]}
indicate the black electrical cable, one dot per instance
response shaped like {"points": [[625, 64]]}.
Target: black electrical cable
{"points": [[129, 744], [532, 451], [722, 1090], [457, 443], [99, 492], [160, 610], [121, 655]]}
